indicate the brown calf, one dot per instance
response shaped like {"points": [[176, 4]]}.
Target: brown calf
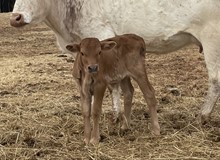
{"points": [[111, 63]]}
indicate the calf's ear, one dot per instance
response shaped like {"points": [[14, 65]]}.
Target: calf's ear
{"points": [[108, 45], [73, 47]]}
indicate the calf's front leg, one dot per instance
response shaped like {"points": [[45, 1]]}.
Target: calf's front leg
{"points": [[99, 91], [86, 112]]}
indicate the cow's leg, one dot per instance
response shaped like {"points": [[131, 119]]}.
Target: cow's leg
{"points": [[212, 59], [128, 91], [99, 91], [86, 112], [140, 76], [211, 98]]}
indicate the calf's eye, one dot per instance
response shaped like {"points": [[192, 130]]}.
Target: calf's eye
{"points": [[82, 53]]}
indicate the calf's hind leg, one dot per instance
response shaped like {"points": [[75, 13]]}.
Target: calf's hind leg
{"points": [[140, 77], [128, 91]]}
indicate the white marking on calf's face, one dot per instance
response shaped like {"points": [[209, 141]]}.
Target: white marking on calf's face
{"points": [[33, 11]]}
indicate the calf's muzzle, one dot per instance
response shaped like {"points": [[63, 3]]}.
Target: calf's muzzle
{"points": [[93, 68]]}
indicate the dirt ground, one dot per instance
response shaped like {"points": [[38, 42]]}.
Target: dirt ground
{"points": [[40, 116]]}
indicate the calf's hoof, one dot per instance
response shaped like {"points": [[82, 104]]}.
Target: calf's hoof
{"points": [[115, 117], [86, 141], [157, 133], [156, 130], [94, 141], [124, 127], [204, 119], [125, 124]]}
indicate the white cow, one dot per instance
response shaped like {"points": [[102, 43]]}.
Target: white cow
{"points": [[165, 25]]}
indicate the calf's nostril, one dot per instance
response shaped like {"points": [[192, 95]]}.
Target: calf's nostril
{"points": [[90, 69], [95, 68]]}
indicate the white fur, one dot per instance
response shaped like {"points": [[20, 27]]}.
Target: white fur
{"points": [[116, 101], [27, 17]]}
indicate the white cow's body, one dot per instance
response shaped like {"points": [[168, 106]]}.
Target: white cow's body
{"points": [[165, 25]]}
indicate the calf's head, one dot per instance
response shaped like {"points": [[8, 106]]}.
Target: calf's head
{"points": [[90, 50]]}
